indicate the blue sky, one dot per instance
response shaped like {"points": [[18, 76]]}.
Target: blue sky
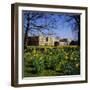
{"points": [[60, 29]]}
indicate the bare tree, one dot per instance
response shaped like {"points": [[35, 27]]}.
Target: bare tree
{"points": [[37, 21], [74, 21]]}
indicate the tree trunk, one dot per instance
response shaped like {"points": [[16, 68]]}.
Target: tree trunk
{"points": [[26, 32]]}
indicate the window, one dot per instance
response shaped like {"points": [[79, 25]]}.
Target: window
{"points": [[47, 39]]}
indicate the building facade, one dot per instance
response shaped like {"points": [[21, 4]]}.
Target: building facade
{"points": [[47, 41]]}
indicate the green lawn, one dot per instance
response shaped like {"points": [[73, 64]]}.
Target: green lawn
{"points": [[51, 61]]}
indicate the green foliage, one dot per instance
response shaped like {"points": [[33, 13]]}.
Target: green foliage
{"points": [[51, 61]]}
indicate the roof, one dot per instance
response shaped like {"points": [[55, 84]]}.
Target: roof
{"points": [[63, 40]]}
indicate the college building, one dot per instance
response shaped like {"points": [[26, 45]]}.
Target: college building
{"points": [[47, 41]]}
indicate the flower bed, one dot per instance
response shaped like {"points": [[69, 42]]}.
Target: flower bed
{"points": [[51, 61]]}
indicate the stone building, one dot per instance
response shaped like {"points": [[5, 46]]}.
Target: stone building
{"points": [[47, 41], [64, 42], [41, 40]]}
